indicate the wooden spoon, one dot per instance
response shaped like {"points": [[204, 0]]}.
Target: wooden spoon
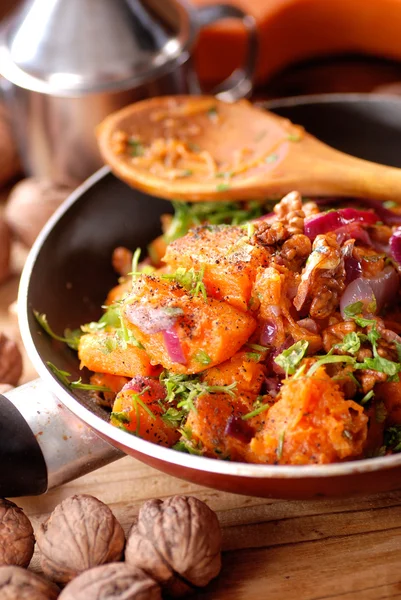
{"points": [[198, 148]]}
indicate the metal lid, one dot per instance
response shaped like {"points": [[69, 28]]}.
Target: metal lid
{"points": [[72, 47]]}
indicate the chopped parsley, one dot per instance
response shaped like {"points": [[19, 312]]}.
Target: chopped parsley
{"points": [[189, 279], [351, 343], [71, 336], [222, 187], [64, 378], [289, 359], [135, 147], [271, 158], [203, 358]]}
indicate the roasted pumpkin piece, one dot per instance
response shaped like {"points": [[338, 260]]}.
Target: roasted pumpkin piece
{"points": [[243, 369], [216, 424], [226, 258], [137, 409], [101, 352], [310, 423], [183, 332], [119, 291], [114, 383]]}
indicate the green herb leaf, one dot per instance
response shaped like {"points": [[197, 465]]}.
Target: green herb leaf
{"points": [[64, 378], [121, 417], [380, 412], [392, 438], [330, 358], [353, 309], [71, 337], [367, 397], [351, 343], [189, 279], [289, 359], [222, 187], [203, 358], [261, 408], [135, 147], [271, 158]]}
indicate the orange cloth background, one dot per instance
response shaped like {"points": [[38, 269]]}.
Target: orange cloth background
{"points": [[295, 30]]}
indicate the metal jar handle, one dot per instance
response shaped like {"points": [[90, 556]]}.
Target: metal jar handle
{"points": [[239, 84]]}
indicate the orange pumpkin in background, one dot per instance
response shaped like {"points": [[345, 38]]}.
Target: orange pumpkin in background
{"points": [[295, 30]]}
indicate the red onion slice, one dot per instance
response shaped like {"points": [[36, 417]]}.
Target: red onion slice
{"points": [[387, 216], [152, 320], [157, 391], [239, 429], [353, 269], [385, 286], [383, 289], [395, 245], [336, 220], [173, 346], [358, 290], [268, 333]]}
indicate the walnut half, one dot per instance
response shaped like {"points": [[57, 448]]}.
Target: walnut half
{"points": [[177, 542], [80, 533], [115, 580], [19, 584], [16, 535]]}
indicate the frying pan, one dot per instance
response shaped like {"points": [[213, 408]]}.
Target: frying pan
{"points": [[50, 434]]}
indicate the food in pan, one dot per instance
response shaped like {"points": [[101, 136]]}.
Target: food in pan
{"points": [[264, 338]]}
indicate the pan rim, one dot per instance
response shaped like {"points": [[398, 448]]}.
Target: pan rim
{"points": [[167, 455]]}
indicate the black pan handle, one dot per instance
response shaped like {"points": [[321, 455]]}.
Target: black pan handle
{"points": [[43, 444]]}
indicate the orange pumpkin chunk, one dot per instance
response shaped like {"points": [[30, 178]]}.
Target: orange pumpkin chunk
{"points": [[97, 355], [225, 256], [182, 332], [310, 423]]}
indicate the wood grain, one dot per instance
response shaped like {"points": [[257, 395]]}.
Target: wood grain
{"points": [[345, 549]]}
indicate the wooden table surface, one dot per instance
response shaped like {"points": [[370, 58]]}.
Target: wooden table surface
{"points": [[273, 550]]}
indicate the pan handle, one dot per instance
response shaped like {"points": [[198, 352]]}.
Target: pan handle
{"points": [[43, 444]]}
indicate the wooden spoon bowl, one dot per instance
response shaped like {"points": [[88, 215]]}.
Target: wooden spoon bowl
{"points": [[198, 148]]}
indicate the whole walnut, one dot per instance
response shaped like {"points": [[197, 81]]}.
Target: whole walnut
{"points": [[30, 204], [16, 535], [5, 250], [19, 584], [115, 580], [10, 361], [177, 542], [80, 533], [9, 162]]}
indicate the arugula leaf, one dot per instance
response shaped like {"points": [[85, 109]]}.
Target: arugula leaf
{"points": [[289, 359]]}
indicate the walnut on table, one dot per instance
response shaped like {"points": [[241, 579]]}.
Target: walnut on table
{"points": [[10, 361], [17, 540], [30, 204], [80, 533], [19, 584], [177, 542], [115, 580]]}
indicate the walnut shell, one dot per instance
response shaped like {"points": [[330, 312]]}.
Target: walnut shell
{"points": [[80, 533], [10, 361], [9, 162], [30, 204], [5, 250], [16, 535], [177, 542], [115, 580], [19, 584]]}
